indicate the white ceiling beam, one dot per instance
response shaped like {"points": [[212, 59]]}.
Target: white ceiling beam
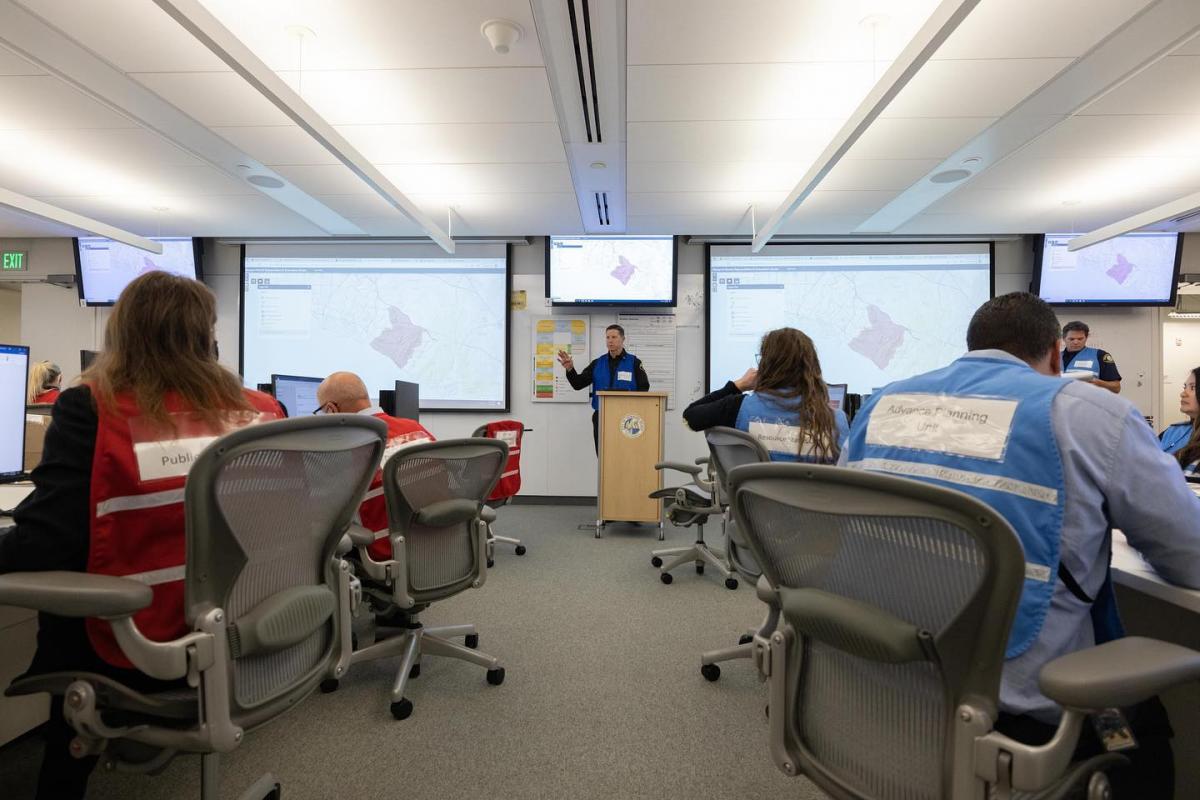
{"points": [[43, 45], [941, 23], [37, 208], [209, 31], [1166, 211], [1158, 31]]}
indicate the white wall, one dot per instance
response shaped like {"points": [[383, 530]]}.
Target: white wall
{"points": [[10, 314]]}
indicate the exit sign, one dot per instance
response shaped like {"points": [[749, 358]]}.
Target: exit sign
{"points": [[14, 261]]}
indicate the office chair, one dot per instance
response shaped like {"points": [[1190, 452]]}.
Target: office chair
{"points": [[265, 509], [884, 674], [687, 505], [511, 432], [729, 448], [437, 524]]}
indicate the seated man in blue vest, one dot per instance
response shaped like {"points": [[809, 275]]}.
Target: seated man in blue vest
{"points": [[1077, 357], [615, 371], [1064, 463]]}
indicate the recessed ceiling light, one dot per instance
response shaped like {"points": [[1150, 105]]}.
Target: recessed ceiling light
{"points": [[1069, 203], [265, 181], [160, 209], [971, 161], [501, 34], [598, 165], [300, 32], [950, 176]]}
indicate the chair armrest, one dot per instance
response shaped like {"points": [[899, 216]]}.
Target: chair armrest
{"points": [[487, 514], [1118, 673], [74, 594], [675, 465], [702, 460], [360, 536], [448, 512]]}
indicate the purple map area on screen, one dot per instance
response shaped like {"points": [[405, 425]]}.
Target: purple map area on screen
{"points": [[1119, 271], [624, 270]]}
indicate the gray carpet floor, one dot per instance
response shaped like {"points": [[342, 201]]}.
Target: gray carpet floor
{"points": [[603, 696]]}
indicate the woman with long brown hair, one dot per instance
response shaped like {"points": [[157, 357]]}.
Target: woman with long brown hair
{"points": [[107, 494], [1182, 439], [784, 403]]}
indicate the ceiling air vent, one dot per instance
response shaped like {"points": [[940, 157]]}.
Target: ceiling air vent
{"points": [[602, 208], [585, 68], [1182, 218]]}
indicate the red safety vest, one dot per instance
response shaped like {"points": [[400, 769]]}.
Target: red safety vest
{"points": [[137, 523], [508, 431], [372, 513], [48, 396]]}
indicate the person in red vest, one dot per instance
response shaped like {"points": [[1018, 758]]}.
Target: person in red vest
{"points": [[45, 383], [107, 495], [345, 393]]}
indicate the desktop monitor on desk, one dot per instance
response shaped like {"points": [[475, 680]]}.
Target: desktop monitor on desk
{"points": [[403, 402], [837, 396], [86, 357], [296, 393], [14, 378]]}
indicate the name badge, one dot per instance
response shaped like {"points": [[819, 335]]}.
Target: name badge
{"points": [[169, 459], [624, 375], [779, 438], [1082, 364], [976, 427], [169, 452], [398, 443], [508, 437]]}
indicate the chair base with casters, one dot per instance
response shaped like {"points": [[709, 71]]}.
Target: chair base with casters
{"points": [[688, 507], [743, 649], [492, 538]]}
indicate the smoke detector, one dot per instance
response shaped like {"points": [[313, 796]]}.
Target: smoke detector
{"points": [[501, 34]]}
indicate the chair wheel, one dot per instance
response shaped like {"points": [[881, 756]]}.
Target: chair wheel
{"points": [[276, 793], [329, 685], [655, 561], [472, 641], [745, 638], [402, 709], [415, 672], [699, 569], [666, 578], [520, 550], [710, 671], [495, 676], [491, 563], [731, 583]]}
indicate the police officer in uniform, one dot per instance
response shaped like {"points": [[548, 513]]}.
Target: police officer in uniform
{"points": [[1047, 465], [615, 371], [1078, 357]]}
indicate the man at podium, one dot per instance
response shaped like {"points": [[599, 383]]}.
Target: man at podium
{"points": [[615, 371]]}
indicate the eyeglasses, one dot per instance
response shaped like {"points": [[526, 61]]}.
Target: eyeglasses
{"points": [[1189, 387], [757, 358], [321, 409]]}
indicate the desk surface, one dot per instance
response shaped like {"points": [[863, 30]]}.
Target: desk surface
{"points": [[11, 494], [1131, 570]]}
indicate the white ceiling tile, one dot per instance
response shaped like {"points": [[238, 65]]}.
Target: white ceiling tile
{"points": [[729, 140], [239, 215], [1036, 29], [1191, 48], [279, 144], [16, 224], [876, 174], [746, 91], [480, 178], [44, 102], [691, 203], [496, 214], [1152, 135], [973, 88], [214, 98], [387, 225], [709, 176], [13, 64], [509, 143], [1168, 87], [324, 179], [358, 205], [924, 138], [822, 224]]}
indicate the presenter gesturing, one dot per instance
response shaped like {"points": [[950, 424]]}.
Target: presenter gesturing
{"points": [[615, 371]]}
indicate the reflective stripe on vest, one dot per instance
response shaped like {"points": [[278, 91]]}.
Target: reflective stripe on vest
{"points": [[1086, 360], [1175, 437], [982, 426], [602, 381]]}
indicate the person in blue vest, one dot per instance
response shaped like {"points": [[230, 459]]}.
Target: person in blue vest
{"points": [[1064, 463], [1182, 439], [615, 371], [1078, 357], [784, 403]]}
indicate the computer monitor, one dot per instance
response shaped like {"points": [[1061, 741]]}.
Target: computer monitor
{"points": [[14, 380], [267, 388], [86, 357], [837, 396], [402, 401], [296, 393]]}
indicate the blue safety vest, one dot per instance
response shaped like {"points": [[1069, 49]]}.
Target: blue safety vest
{"points": [[981, 426], [1175, 437], [777, 425], [602, 381], [1086, 360]]}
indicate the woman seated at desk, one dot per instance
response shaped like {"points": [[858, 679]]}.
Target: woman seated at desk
{"points": [[45, 383], [157, 381], [1182, 439], [784, 403]]}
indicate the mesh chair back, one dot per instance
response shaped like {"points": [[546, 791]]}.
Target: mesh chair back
{"points": [[729, 448], [442, 559], [915, 590], [266, 507]]}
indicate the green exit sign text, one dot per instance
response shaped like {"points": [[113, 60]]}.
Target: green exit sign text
{"points": [[14, 260]]}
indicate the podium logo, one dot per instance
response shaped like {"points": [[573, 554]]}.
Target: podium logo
{"points": [[633, 426]]}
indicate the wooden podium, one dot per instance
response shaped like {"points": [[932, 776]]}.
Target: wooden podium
{"points": [[631, 443]]}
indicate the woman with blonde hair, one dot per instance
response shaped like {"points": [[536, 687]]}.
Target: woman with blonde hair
{"points": [[784, 403], [105, 500], [45, 383]]}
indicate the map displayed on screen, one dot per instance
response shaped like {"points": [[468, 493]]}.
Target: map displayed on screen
{"points": [[106, 267], [1134, 268], [611, 270], [437, 322], [875, 316]]}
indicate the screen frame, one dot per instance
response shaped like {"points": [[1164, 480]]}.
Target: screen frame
{"points": [[197, 260], [508, 335], [1035, 283], [622, 303], [4, 475], [275, 388], [991, 243]]}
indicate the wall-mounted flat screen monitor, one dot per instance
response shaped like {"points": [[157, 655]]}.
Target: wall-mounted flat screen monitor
{"points": [[103, 268], [1137, 269], [837, 396], [386, 312], [14, 377], [875, 312], [296, 393], [611, 270]]}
